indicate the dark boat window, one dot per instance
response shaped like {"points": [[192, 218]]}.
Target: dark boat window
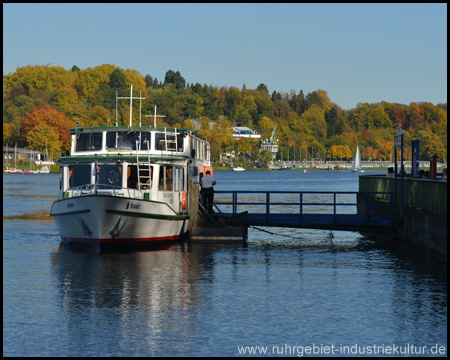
{"points": [[89, 141], [79, 175], [109, 176], [170, 144], [146, 177], [124, 139]]}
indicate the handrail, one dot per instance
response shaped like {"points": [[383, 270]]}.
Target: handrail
{"points": [[368, 204], [102, 189]]}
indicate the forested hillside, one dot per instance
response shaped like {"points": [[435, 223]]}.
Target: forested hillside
{"points": [[41, 103]]}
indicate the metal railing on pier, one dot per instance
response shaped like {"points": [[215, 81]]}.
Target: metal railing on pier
{"points": [[308, 209]]}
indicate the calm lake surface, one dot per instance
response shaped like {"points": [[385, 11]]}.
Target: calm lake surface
{"points": [[277, 295]]}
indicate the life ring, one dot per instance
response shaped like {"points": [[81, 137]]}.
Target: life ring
{"points": [[184, 199], [113, 177]]}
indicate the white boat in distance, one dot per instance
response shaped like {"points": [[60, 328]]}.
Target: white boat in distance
{"points": [[239, 168], [356, 167], [126, 186]]}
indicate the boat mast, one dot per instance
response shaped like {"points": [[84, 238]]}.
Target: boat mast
{"points": [[131, 105], [154, 117]]}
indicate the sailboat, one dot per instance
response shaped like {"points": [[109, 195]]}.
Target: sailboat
{"points": [[356, 167]]}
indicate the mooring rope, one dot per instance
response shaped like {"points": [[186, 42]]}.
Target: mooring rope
{"points": [[272, 233], [330, 235]]}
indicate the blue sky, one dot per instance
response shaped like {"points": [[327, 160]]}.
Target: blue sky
{"points": [[356, 52]]}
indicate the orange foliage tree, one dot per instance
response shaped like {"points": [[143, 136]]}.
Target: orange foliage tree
{"points": [[56, 121]]}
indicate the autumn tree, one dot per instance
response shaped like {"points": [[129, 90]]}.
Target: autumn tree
{"points": [[314, 118], [341, 152], [99, 116], [6, 133], [188, 124], [232, 100], [43, 138], [56, 121]]}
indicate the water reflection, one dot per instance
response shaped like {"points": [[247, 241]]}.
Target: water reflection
{"points": [[171, 301], [31, 196], [37, 215], [147, 292]]}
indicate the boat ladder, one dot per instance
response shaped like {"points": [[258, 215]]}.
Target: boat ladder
{"points": [[171, 140], [144, 172]]}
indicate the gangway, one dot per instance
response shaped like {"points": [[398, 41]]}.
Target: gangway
{"points": [[330, 210]]}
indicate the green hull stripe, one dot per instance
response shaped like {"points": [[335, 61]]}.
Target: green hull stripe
{"points": [[149, 216], [71, 212]]}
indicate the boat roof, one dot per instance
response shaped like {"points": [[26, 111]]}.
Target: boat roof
{"points": [[125, 157], [127, 128]]}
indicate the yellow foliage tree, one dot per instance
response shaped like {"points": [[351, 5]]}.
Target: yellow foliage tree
{"points": [[42, 137], [341, 152], [6, 134], [135, 78], [39, 78], [99, 116], [188, 124]]}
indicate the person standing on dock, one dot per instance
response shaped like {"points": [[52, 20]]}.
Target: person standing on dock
{"points": [[207, 183]]}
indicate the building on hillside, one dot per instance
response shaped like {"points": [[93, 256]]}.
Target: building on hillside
{"points": [[21, 154], [245, 132]]}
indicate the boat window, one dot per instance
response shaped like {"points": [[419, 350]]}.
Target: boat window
{"points": [[79, 175], [178, 179], [166, 177], [109, 176], [168, 141], [89, 141], [145, 140], [145, 176], [124, 139]]}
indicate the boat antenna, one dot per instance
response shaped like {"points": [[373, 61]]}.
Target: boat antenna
{"points": [[131, 104], [154, 117]]}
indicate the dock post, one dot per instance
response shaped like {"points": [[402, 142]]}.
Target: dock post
{"points": [[193, 195]]}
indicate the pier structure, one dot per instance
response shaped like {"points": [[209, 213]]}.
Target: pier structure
{"points": [[235, 211], [419, 216], [421, 211]]}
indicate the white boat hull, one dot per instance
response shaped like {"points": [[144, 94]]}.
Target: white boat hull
{"points": [[100, 221]]}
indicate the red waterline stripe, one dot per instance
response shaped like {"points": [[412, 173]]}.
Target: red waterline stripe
{"points": [[119, 241]]}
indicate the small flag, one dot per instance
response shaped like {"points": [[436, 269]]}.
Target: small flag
{"points": [[95, 170]]}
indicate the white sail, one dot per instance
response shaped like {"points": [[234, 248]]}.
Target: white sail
{"points": [[357, 161]]}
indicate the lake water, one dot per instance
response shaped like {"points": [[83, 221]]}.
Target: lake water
{"points": [[294, 292]]}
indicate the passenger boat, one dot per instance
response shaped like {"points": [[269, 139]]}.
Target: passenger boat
{"points": [[126, 186]]}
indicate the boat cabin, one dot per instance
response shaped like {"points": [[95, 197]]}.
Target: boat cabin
{"points": [[135, 162]]}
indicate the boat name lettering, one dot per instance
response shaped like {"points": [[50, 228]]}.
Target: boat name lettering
{"points": [[132, 205], [69, 204], [168, 195]]}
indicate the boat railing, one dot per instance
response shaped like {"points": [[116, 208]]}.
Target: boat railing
{"points": [[104, 189]]}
